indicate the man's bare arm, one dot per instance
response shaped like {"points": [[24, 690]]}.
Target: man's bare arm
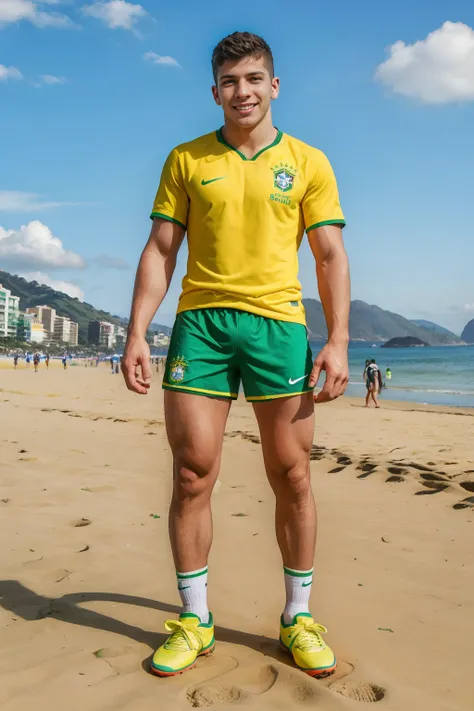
{"points": [[152, 281], [332, 269]]}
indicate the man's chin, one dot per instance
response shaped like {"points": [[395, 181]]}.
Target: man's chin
{"points": [[245, 121]]}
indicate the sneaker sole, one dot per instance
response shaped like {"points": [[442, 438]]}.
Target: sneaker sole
{"points": [[320, 673], [159, 672]]}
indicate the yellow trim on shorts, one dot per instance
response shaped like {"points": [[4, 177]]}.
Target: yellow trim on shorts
{"points": [[200, 390], [274, 397]]}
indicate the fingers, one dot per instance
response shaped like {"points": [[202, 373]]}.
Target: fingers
{"points": [[135, 381], [146, 370], [333, 388], [315, 373]]}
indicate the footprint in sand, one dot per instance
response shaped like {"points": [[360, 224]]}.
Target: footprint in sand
{"points": [[80, 523], [432, 487], [467, 503], [363, 691], [467, 485], [240, 684]]}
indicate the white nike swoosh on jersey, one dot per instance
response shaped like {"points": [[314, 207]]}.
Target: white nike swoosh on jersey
{"points": [[297, 380]]}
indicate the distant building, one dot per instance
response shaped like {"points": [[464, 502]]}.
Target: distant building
{"points": [[160, 339], [29, 329], [65, 330], [45, 314], [120, 336], [102, 334], [73, 333], [9, 313]]}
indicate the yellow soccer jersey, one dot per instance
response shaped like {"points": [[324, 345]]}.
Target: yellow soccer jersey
{"points": [[245, 219]]}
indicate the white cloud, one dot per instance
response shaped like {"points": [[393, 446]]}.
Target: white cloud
{"points": [[30, 10], [7, 73], [436, 70], [66, 287], [116, 13], [17, 201], [34, 246], [51, 80], [158, 59]]}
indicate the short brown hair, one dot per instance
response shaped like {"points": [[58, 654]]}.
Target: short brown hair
{"points": [[239, 45]]}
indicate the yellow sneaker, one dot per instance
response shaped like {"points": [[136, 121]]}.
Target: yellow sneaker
{"points": [[302, 639], [188, 640]]}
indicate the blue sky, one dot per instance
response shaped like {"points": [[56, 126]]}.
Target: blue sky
{"points": [[86, 121]]}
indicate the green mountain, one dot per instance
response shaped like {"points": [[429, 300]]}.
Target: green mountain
{"points": [[468, 332], [33, 294], [371, 323], [433, 327]]}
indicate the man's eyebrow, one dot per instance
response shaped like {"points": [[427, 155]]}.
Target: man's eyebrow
{"points": [[257, 72]]}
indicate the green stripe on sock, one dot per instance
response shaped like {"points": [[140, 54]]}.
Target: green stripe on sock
{"points": [[181, 576], [298, 573]]}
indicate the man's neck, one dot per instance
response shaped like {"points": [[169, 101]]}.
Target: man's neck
{"points": [[250, 141]]}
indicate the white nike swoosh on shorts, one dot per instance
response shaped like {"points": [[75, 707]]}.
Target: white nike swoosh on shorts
{"points": [[297, 380]]}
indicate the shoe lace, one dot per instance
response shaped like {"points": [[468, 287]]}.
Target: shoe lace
{"points": [[307, 636], [183, 637]]}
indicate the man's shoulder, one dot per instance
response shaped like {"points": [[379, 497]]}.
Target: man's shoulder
{"points": [[197, 147], [305, 149]]}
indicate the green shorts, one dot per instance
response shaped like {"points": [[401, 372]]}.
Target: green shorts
{"points": [[213, 350]]}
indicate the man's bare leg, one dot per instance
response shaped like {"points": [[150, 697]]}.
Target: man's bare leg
{"points": [[195, 427], [286, 430], [373, 393]]}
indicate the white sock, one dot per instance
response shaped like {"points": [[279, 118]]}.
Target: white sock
{"points": [[298, 589], [192, 588]]}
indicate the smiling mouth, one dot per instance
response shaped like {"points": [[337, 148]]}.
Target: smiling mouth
{"points": [[244, 108]]}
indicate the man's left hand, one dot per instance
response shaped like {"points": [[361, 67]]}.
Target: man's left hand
{"points": [[332, 359]]}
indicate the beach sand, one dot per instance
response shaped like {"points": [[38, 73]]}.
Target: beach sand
{"points": [[87, 579]]}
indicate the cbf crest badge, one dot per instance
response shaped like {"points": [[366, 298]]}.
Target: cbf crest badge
{"points": [[283, 177], [177, 369]]}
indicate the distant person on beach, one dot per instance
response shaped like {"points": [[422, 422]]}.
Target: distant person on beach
{"points": [[64, 361], [15, 361], [388, 375], [36, 360], [28, 359], [46, 360], [373, 383], [241, 320]]}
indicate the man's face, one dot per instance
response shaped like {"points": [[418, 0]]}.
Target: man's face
{"points": [[244, 90]]}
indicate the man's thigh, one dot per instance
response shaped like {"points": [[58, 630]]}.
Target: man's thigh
{"points": [[195, 426], [287, 430]]}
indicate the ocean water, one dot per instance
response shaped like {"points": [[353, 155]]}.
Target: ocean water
{"points": [[439, 375]]}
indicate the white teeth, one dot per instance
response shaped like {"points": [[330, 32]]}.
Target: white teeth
{"points": [[245, 107]]}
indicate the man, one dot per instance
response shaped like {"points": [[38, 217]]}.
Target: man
{"points": [[244, 195]]}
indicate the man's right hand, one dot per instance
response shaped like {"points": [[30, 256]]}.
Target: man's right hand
{"points": [[136, 365]]}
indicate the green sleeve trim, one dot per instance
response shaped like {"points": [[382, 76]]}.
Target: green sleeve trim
{"points": [[167, 217], [326, 222]]}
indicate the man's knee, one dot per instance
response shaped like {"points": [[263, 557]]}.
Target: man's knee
{"points": [[293, 481], [193, 475]]}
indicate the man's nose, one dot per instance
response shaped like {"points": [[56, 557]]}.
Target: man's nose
{"points": [[242, 89]]}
